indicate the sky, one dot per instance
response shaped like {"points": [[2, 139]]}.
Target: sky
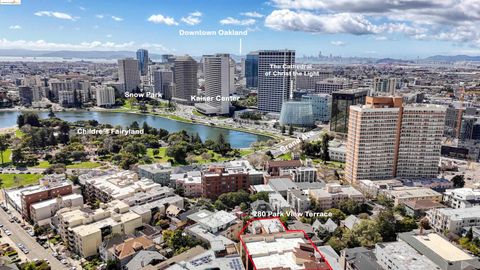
{"points": [[365, 28]]}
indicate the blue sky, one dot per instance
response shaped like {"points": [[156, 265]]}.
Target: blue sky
{"points": [[376, 28]]}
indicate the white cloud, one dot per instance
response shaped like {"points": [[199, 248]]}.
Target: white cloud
{"points": [[82, 8], [196, 14], [325, 23], [55, 14], [252, 14], [160, 19], [338, 43], [115, 18], [109, 35], [193, 18], [15, 27], [419, 19], [100, 16], [381, 38], [233, 21], [87, 45]]}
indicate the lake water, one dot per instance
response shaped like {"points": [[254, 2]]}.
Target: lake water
{"points": [[237, 139]]}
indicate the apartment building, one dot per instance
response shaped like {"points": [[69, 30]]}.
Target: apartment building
{"points": [[453, 220], [84, 229], [49, 187], [461, 197], [298, 200], [158, 172], [41, 212], [190, 181], [401, 195], [274, 167], [116, 186], [387, 140], [333, 194], [399, 255], [217, 180]]}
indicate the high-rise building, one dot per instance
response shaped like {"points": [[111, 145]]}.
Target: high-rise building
{"points": [[331, 85], [275, 79], [341, 102], [384, 86], [217, 72], [161, 82], [128, 74], [105, 96], [321, 106], [142, 58], [310, 77], [185, 79], [388, 140], [251, 70], [25, 94]]}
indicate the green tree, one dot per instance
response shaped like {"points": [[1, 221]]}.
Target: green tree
{"points": [[51, 114], [290, 130], [219, 205], [17, 156], [469, 234], [283, 129], [458, 181], [386, 224], [262, 195], [3, 146], [366, 234], [325, 139]]}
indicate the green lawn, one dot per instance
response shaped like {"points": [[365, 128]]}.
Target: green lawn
{"points": [[23, 179], [246, 151], [215, 157], [162, 154], [43, 164], [286, 156], [7, 156], [84, 165]]}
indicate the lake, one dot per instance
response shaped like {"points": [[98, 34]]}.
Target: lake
{"points": [[237, 139]]}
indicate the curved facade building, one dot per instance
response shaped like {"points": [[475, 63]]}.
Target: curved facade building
{"points": [[297, 114]]}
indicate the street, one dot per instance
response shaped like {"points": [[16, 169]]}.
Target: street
{"points": [[19, 235]]}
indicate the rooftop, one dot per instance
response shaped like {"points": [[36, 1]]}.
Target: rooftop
{"points": [[218, 219], [403, 254], [443, 247], [461, 213]]}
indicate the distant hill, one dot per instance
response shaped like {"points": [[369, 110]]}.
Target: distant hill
{"points": [[73, 54], [391, 60], [453, 58]]}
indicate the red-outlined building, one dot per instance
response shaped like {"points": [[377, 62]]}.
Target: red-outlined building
{"points": [[271, 245]]}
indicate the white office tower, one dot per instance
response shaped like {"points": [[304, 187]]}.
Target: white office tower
{"points": [[232, 76], [105, 96], [217, 74], [185, 79], [161, 81], [275, 79], [128, 74]]}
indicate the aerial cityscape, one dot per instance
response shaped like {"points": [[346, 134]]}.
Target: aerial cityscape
{"points": [[251, 135]]}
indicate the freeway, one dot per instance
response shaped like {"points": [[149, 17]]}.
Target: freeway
{"points": [[19, 235]]}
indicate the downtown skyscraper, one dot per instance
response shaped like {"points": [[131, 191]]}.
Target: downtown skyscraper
{"points": [[185, 79], [275, 79], [142, 58], [128, 74], [218, 76]]}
